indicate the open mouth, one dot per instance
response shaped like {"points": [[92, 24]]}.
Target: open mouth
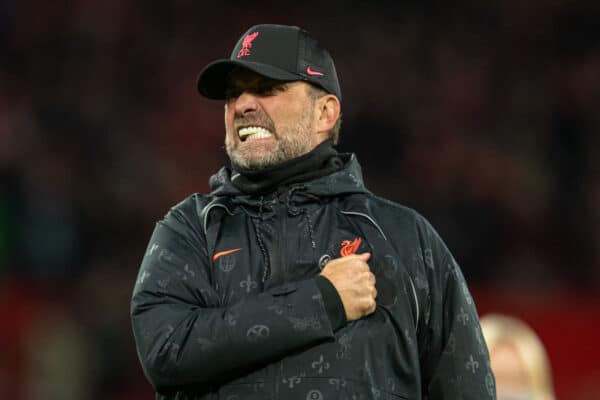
{"points": [[253, 132]]}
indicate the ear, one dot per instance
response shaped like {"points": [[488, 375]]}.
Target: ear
{"points": [[326, 114]]}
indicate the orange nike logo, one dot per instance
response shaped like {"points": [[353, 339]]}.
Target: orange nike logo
{"points": [[313, 72], [224, 253]]}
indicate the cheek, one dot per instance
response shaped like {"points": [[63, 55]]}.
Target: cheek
{"points": [[285, 117], [228, 117], [228, 114]]}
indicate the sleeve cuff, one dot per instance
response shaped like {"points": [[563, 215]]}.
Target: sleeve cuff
{"points": [[332, 301]]}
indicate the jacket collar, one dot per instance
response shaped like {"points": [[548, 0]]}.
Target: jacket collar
{"points": [[346, 181]]}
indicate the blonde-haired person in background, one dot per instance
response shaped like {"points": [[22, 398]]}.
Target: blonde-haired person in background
{"points": [[518, 359]]}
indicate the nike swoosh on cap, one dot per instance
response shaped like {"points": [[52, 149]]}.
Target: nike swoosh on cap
{"points": [[310, 71], [224, 253]]}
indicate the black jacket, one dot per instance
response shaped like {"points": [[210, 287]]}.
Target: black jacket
{"points": [[227, 304]]}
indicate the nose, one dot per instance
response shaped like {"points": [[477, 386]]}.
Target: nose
{"points": [[245, 103]]}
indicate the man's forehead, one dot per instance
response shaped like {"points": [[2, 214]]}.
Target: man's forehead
{"points": [[242, 77]]}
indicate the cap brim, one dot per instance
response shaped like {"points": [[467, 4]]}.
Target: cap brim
{"points": [[212, 80]]}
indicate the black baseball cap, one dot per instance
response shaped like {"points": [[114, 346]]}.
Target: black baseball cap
{"points": [[280, 52]]}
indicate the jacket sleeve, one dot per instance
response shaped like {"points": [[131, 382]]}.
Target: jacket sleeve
{"points": [[454, 356], [184, 334]]}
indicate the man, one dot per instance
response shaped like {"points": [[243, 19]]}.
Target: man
{"points": [[291, 280], [518, 358]]}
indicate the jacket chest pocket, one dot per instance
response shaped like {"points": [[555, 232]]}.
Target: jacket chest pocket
{"points": [[238, 263]]}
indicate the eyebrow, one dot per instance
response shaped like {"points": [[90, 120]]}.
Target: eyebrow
{"points": [[260, 85], [257, 82]]}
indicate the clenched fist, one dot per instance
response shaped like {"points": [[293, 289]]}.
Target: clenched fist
{"points": [[354, 282]]}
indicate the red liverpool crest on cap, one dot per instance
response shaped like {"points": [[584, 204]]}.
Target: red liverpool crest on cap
{"points": [[247, 44]]}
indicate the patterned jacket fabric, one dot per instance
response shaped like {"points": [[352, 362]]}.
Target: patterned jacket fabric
{"points": [[226, 304]]}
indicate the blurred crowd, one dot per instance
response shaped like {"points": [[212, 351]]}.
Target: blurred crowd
{"points": [[482, 115]]}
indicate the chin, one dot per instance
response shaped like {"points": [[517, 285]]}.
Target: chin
{"points": [[251, 163], [257, 156], [263, 163]]}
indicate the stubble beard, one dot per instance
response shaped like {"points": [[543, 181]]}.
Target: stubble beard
{"points": [[290, 142]]}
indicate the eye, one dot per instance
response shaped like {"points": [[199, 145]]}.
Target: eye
{"points": [[264, 89], [232, 93], [270, 89]]}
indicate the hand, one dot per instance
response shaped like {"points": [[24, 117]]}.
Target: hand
{"points": [[354, 282]]}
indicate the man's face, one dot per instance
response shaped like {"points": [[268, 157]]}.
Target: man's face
{"points": [[267, 122]]}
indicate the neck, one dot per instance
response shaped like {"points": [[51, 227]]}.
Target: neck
{"points": [[322, 160]]}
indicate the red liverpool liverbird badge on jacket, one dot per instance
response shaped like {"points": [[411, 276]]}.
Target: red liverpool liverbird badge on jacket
{"points": [[350, 247]]}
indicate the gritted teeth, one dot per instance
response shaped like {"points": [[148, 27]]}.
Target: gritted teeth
{"points": [[255, 132]]}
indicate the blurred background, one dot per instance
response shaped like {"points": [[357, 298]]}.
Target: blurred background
{"points": [[481, 115]]}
